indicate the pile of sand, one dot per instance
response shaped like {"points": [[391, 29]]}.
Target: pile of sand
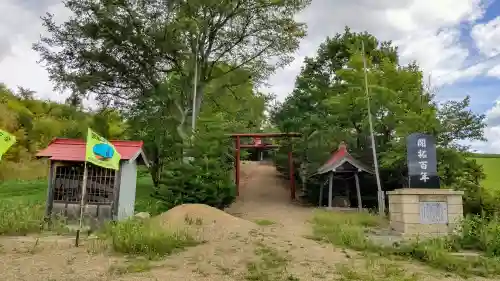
{"points": [[209, 222]]}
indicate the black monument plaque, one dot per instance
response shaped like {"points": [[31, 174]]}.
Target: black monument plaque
{"points": [[422, 162]]}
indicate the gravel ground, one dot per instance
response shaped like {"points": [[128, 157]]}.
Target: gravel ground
{"points": [[230, 248]]}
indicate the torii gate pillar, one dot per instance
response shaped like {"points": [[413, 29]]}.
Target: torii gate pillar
{"points": [[239, 146]]}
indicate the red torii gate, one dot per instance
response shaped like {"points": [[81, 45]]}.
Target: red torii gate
{"points": [[259, 144]]}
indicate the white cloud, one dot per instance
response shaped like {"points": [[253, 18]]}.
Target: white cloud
{"points": [[487, 37], [21, 26], [494, 71], [437, 52], [427, 31], [415, 25], [492, 145], [11, 25], [493, 115], [491, 132]]}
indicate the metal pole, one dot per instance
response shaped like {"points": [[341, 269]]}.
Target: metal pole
{"points": [[82, 203], [195, 86], [381, 199]]}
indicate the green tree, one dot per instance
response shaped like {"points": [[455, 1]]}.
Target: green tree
{"points": [[207, 178], [329, 105], [36, 122], [156, 120], [122, 49]]}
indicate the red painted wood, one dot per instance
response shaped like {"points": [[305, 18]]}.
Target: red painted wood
{"points": [[260, 146]]}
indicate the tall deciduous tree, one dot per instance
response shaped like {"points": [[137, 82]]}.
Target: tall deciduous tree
{"points": [[124, 49], [329, 105], [230, 100]]}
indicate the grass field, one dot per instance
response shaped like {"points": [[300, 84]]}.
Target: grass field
{"points": [[491, 166], [262, 243], [35, 192]]}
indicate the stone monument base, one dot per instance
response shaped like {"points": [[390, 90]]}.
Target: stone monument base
{"points": [[424, 212]]}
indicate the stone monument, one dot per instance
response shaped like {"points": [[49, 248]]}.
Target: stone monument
{"points": [[423, 208]]}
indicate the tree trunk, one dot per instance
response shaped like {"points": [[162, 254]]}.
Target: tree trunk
{"points": [[199, 98], [155, 174], [154, 168]]}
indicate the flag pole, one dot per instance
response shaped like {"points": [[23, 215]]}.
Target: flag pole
{"points": [[82, 203], [381, 197]]}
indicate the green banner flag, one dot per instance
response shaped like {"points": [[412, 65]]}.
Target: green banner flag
{"points": [[6, 141], [101, 152]]}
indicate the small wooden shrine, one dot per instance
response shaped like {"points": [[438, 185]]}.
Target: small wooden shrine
{"points": [[346, 168]]}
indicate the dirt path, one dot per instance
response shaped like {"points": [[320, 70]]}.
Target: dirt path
{"points": [[265, 195], [278, 251]]}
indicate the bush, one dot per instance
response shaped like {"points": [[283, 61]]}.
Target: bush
{"points": [[207, 177], [349, 230], [437, 252], [345, 229], [18, 218], [144, 238], [202, 182], [480, 233]]}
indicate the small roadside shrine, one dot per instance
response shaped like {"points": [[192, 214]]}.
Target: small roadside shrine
{"points": [[6, 141], [343, 166], [109, 195]]}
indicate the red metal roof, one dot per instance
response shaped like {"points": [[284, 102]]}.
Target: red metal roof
{"points": [[61, 149], [338, 157]]}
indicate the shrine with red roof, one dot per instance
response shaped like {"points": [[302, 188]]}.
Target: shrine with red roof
{"points": [[110, 194], [343, 179]]}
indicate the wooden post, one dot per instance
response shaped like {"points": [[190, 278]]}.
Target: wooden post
{"points": [[348, 194], [50, 191], [237, 166], [82, 203], [320, 203], [330, 190], [358, 192]]}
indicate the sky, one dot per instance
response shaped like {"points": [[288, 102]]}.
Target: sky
{"points": [[455, 42]]}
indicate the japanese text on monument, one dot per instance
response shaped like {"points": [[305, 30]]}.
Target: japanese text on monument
{"points": [[433, 212], [422, 164], [422, 156]]}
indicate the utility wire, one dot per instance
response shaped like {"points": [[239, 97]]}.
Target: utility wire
{"points": [[468, 66]]}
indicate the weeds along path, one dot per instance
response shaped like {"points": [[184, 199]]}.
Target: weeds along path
{"points": [[263, 240], [265, 199]]}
